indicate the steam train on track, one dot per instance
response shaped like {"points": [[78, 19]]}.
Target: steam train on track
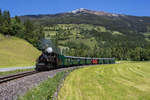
{"points": [[50, 60]]}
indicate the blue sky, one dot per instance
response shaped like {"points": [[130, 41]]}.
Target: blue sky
{"points": [[26, 7]]}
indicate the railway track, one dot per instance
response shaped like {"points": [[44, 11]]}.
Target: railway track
{"points": [[15, 76]]}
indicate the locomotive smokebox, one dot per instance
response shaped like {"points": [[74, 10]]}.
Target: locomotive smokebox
{"points": [[49, 50]]}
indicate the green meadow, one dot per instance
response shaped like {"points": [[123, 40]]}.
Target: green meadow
{"points": [[123, 81], [16, 52]]}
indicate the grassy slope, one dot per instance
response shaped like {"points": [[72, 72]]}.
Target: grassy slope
{"points": [[16, 52], [125, 81]]}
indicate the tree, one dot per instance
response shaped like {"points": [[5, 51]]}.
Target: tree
{"points": [[6, 16], [95, 51], [17, 28], [29, 28], [1, 21], [5, 23], [17, 19], [135, 54], [1, 17], [6, 28]]}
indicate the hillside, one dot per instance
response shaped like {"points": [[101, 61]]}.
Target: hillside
{"points": [[16, 52], [92, 35], [84, 32]]}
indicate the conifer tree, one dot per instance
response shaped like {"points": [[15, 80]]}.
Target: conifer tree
{"points": [[6, 16], [1, 17], [17, 19], [1, 21]]}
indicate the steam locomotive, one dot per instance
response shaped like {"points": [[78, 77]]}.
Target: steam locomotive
{"points": [[50, 60]]}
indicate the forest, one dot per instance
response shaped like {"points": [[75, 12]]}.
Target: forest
{"points": [[96, 41]]}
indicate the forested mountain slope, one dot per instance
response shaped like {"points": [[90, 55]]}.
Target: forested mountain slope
{"points": [[97, 34], [122, 23]]}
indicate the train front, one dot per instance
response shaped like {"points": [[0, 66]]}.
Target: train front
{"points": [[47, 60]]}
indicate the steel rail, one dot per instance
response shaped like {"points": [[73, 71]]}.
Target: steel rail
{"points": [[15, 76]]}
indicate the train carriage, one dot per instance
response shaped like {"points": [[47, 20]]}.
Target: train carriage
{"points": [[94, 61], [67, 61], [82, 61], [100, 61], [75, 61], [88, 61]]}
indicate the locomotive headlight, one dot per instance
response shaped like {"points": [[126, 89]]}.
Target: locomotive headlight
{"points": [[49, 50]]}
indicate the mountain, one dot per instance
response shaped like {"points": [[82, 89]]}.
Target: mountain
{"points": [[84, 32], [122, 23], [99, 13]]}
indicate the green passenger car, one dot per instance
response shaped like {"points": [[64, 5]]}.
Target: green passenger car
{"points": [[88, 61], [67, 61], [104, 61], [100, 61], [75, 60], [107, 61], [82, 60]]}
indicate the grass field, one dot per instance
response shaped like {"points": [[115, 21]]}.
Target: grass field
{"points": [[16, 52], [124, 81]]}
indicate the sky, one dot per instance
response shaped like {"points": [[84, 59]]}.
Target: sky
{"points": [[31, 7]]}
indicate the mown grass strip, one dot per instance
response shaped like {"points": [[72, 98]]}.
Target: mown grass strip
{"points": [[124, 81], [45, 90]]}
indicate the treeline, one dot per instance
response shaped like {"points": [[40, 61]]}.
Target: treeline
{"points": [[14, 27], [137, 54]]}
